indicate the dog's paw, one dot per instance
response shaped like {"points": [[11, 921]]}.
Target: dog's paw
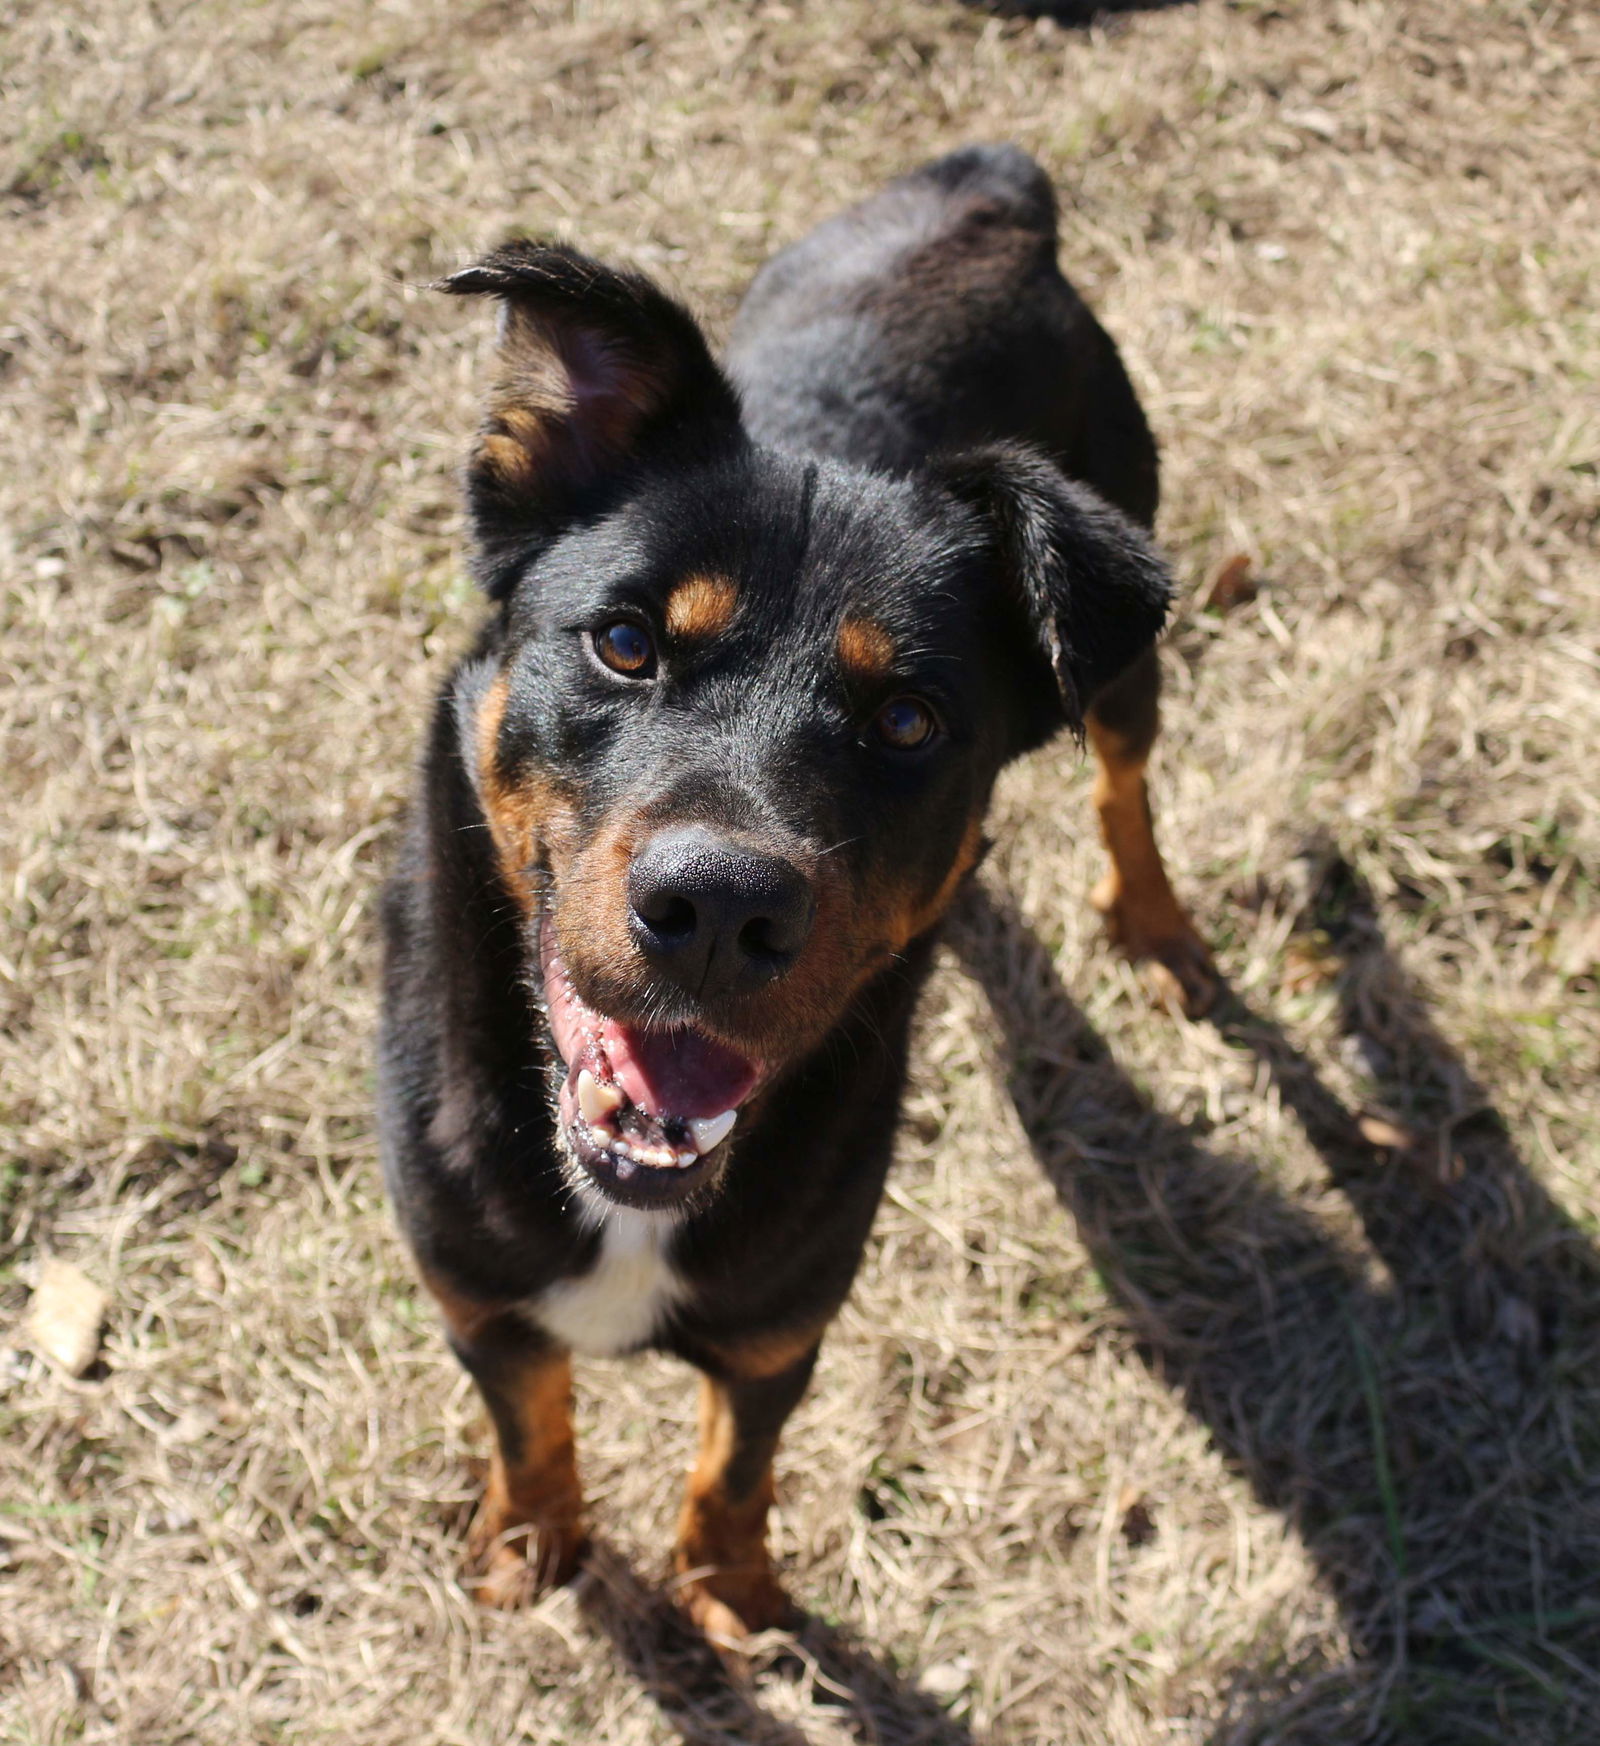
{"points": [[727, 1607], [1182, 974], [511, 1565], [1160, 938]]}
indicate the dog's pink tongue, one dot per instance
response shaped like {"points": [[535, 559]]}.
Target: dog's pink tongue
{"points": [[677, 1073]]}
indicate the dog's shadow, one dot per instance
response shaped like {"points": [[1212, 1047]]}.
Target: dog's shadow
{"points": [[1427, 1412], [712, 1702]]}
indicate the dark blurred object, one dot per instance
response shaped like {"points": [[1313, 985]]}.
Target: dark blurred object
{"points": [[1074, 12]]}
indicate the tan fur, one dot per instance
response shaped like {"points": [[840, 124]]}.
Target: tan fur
{"points": [[700, 607], [915, 916], [527, 431], [528, 817], [728, 1588], [529, 1529], [866, 650], [755, 1359], [855, 934], [1142, 913], [466, 1317]]}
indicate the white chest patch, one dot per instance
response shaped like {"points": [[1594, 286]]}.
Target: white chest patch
{"points": [[620, 1301]]}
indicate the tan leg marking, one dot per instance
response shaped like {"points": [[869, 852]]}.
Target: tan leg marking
{"points": [[1141, 913], [528, 1534], [728, 1587], [758, 1356]]}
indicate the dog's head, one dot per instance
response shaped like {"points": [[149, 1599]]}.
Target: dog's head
{"points": [[736, 743]]}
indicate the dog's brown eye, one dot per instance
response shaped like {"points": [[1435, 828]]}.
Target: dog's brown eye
{"points": [[626, 649], [905, 724]]}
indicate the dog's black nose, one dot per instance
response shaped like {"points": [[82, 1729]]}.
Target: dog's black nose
{"points": [[715, 916]]}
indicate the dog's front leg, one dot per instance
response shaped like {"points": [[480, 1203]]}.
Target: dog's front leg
{"points": [[1142, 914], [725, 1575], [528, 1534]]}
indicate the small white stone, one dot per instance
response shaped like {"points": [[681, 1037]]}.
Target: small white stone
{"points": [[946, 1679], [66, 1315]]}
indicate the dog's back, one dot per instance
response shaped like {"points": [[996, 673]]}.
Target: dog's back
{"points": [[934, 316]]}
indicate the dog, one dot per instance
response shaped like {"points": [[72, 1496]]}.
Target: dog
{"points": [[692, 808]]}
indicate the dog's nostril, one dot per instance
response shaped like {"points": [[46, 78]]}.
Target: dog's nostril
{"points": [[755, 939], [779, 935], [667, 913]]}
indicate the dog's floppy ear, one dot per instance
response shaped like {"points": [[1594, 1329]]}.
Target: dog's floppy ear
{"points": [[598, 369], [1092, 589]]}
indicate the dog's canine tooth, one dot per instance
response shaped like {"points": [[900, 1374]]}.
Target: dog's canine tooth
{"points": [[709, 1131], [596, 1101], [685, 1159]]}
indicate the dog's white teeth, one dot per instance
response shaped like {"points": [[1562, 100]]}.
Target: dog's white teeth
{"points": [[596, 1101], [685, 1159], [709, 1131]]}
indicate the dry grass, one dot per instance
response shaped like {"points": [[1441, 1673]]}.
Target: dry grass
{"points": [[1167, 1407]]}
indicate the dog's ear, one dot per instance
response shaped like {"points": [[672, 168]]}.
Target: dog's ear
{"points": [[1091, 589], [599, 369]]}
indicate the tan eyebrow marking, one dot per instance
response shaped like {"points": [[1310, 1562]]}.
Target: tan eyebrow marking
{"points": [[866, 649], [701, 606]]}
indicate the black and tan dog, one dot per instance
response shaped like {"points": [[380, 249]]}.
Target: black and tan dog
{"points": [[692, 810]]}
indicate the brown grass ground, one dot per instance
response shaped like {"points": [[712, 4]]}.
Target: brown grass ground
{"points": [[1168, 1407]]}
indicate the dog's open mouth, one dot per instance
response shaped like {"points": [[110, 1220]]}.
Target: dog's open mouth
{"points": [[642, 1110]]}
